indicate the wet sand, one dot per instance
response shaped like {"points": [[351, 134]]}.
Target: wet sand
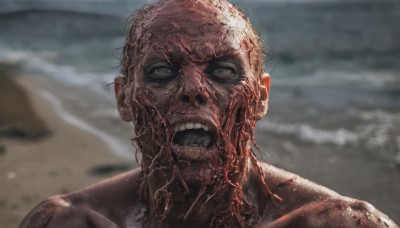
{"points": [[40, 154]]}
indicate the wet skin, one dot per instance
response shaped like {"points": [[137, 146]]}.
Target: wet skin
{"points": [[116, 203], [197, 63]]}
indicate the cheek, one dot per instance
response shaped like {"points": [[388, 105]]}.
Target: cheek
{"points": [[220, 97], [242, 103], [229, 98], [156, 98]]}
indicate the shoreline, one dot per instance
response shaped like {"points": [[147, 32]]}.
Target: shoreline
{"points": [[66, 160], [112, 143]]}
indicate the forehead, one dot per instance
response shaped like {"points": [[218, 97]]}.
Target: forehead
{"points": [[199, 29]]}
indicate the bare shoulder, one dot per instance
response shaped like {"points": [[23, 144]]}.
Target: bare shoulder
{"points": [[307, 204], [57, 211], [105, 204], [334, 212]]}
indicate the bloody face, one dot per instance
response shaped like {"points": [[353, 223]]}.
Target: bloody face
{"points": [[193, 96]]}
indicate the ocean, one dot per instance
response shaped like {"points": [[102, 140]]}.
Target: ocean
{"points": [[334, 114]]}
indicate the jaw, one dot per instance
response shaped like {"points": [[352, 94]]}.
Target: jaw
{"points": [[194, 154], [186, 160], [197, 169], [195, 151]]}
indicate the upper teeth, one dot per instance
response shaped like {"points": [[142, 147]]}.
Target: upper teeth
{"points": [[190, 125]]}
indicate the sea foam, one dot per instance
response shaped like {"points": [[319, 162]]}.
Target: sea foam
{"points": [[115, 146], [310, 134]]}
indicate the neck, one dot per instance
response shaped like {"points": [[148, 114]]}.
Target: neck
{"points": [[232, 204]]}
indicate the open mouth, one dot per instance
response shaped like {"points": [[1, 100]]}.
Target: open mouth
{"points": [[193, 135], [193, 141]]}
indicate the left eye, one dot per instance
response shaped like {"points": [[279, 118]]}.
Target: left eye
{"points": [[223, 72]]}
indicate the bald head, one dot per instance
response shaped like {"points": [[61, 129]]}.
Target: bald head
{"points": [[221, 23]]}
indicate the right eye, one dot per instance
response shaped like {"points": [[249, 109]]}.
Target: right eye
{"points": [[160, 72]]}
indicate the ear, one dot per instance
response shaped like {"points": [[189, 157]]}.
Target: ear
{"points": [[262, 107], [123, 108]]}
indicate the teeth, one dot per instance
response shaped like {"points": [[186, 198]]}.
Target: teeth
{"points": [[190, 125]]}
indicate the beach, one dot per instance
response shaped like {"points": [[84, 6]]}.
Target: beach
{"points": [[52, 156]]}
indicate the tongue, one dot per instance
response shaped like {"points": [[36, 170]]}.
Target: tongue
{"points": [[193, 138]]}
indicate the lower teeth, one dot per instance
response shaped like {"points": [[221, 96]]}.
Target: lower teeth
{"points": [[193, 138]]}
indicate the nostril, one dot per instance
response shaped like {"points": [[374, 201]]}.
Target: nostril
{"points": [[199, 99], [185, 98]]}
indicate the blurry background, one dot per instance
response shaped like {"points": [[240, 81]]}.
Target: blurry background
{"points": [[334, 114]]}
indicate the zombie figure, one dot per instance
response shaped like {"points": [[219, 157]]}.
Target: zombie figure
{"points": [[194, 88]]}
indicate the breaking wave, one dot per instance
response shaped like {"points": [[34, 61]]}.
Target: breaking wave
{"points": [[310, 134], [30, 61]]}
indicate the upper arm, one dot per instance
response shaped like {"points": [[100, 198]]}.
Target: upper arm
{"points": [[58, 212], [338, 212], [43, 213], [306, 204]]}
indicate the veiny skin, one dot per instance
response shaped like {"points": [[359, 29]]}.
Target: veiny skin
{"points": [[198, 61], [116, 203]]}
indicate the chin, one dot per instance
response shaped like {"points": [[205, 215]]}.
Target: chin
{"points": [[201, 173]]}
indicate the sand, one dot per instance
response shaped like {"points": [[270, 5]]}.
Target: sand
{"points": [[40, 154]]}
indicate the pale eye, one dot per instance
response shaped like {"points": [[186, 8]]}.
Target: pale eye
{"points": [[222, 73], [160, 72]]}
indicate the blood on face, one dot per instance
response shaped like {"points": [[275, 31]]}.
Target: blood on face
{"points": [[195, 64]]}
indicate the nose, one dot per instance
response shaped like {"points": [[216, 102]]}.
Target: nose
{"points": [[195, 99], [192, 93]]}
